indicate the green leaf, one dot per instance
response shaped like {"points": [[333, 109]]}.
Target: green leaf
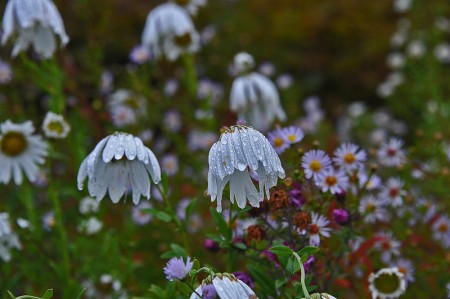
{"points": [[281, 250], [163, 216], [176, 251], [164, 184], [241, 246], [265, 282], [196, 264], [48, 294], [190, 209], [81, 293], [183, 288], [308, 250], [221, 224]]}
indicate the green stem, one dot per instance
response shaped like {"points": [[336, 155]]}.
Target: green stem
{"points": [[302, 275], [231, 260], [63, 239], [190, 79]]}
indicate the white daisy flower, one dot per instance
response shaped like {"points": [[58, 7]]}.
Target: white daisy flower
{"points": [[225, 286], [169, 164], [118, 162], [406, 267], [391, 153], [388, 283], [372, 183], [139, 216], [442, 52], [20, 151], [90, 226], [317, 228], [441, 231], [315, 162], [36, 22], [130, 99], [332, 180], [243, 63], [238, 149], [55, 126], [389, 246], [190, 5], [372, 209], [416, 48], [392, 192], [349, 157], [122, 116], [88, 205], [170, 31]]}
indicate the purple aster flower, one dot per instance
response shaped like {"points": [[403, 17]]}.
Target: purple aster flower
{"points": [[315, 162], [209, 292], [292, 134], [177, 269], [277, 140], [246, 278], [341, 216], [139, 54]]}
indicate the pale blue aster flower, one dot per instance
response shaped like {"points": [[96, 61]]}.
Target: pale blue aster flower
{"points": [[349, 157], [139, 54], [314, 162], [239, 149], [5, 73], [373, 209], [277, 140], [177, 269], [392, 192], [292, 134], [333, 181], [391, 153]]}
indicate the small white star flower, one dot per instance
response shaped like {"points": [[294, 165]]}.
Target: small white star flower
{"points": [[314, 162], [239, 149], [349, 157], [392, 192], [118, 162], [20, 151], [169, 31], [55, 126], [391, 153], [372, 209], [332, 180], [36, 22]]}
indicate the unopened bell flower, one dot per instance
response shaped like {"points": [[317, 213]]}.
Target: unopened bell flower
{"points": [[239, 149], [36, 22], [119, 162]]}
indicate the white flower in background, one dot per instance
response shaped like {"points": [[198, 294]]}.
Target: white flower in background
{"points": [[372, 209], [139, 54], [317, 228], [391, 153], [190, 5], [349, 157], [238, 149], [55, 126], [8, 239], [169, 164], [35, 22], [243, 63], [388, 283], [106, 82], [314, 114], [139, 216], [267, 69], [5, 72], [416, 48], [122, 116], [20, 151], [170, 31], [90, 226], [284, 81], [441, 231], [118, 163], [210, 90], [392, 192], [198, 140], [314, 162], [225, 286], [321, 296], [130, 99], [172, 120], [88, 205], [388, 246], [401, 6], [171, 87], [255, 97], [442, 52], [332, 180], [396, 60], [406, 267], [48, 220]]}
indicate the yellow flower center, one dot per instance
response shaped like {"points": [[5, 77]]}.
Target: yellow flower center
{"points": [[331, 180], [315, 165], [13, 144], [278, 142], [292, 137], [55, 126], [443, 228], [349, 158], [370, 207], [183, 40]]}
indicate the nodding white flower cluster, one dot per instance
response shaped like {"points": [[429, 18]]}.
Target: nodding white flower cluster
{"points": [[238, 149], [8, 239], [119, 162], [169, 31], [190, 5], [20, 151], [224, 286], [36, 22], [388, 283], [55, 126], [254, 96]]}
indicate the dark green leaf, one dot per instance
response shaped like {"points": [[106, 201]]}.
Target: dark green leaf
{"points": [[308, 250], [48, 294], [241, 246], [221, 224], [281, 250], [265, 282]]}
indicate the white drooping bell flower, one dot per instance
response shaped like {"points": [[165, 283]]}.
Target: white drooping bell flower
{"points": [[223, 286], [36, 22], [169, 31], [254, 96], [239, 149], [119, 162]]}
